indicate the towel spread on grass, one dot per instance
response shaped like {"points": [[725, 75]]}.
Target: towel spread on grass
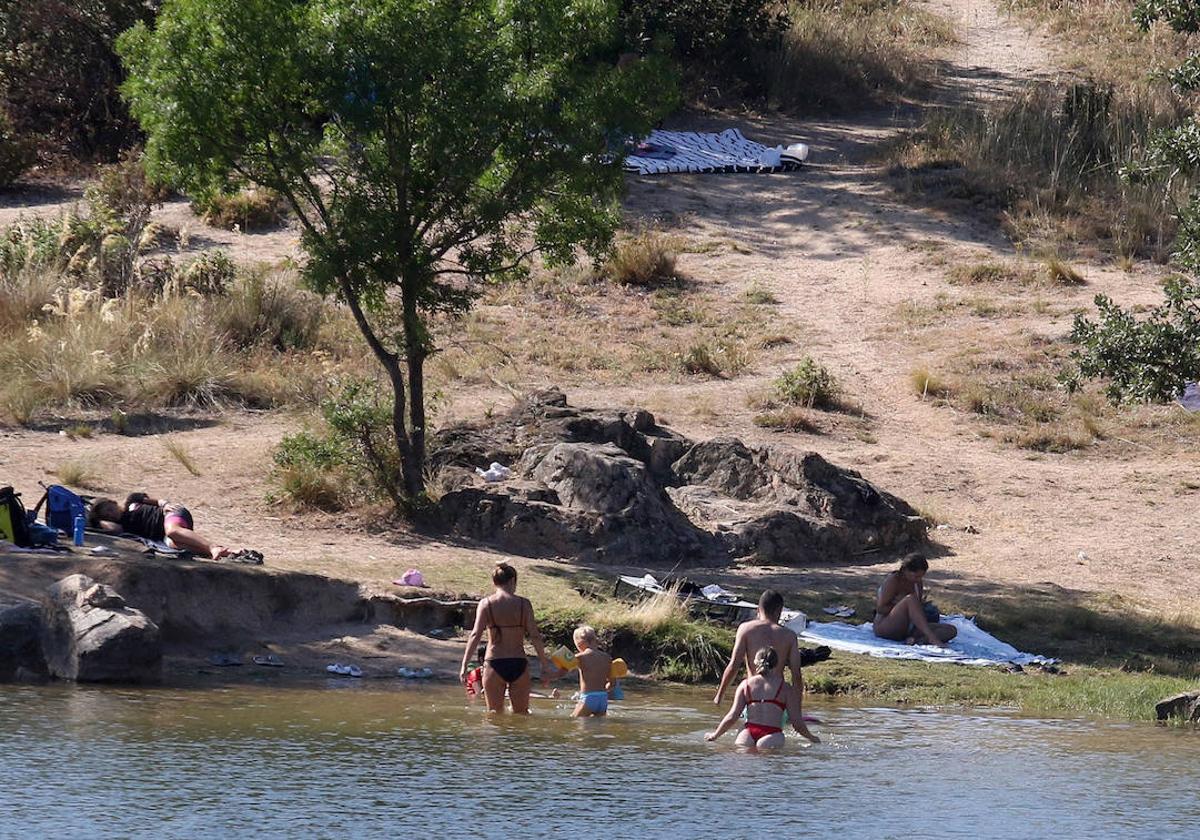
{"points": [[971, 646], [694, 151]]}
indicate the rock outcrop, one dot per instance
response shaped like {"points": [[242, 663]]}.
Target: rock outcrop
{"points": [[90, 634], [1185, 706], [613, 485], [20, 640]]}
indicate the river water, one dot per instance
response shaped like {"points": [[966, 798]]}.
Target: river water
{"points": [[385, 759]]}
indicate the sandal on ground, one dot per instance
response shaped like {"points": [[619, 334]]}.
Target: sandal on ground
{"points": [[269, 661]]}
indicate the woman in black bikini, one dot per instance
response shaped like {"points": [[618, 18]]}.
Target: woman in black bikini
{"points": [[508, 618]]}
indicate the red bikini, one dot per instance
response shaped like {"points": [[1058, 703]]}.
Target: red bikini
{"points": [[761, 730]]}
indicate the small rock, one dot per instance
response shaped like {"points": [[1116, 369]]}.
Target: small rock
{"points": [[1185, 705]]}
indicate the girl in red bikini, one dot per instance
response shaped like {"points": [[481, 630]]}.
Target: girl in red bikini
{"points": [[764, 697]]}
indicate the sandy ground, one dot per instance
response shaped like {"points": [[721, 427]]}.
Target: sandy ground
{"points": [[841, 251]]}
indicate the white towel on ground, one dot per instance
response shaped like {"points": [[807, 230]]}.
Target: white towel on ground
{"points": [[971, 646]]}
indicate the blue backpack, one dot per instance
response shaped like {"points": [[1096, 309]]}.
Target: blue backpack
{"points": [[62, 506]]}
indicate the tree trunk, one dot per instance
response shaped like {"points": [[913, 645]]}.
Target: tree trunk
{"points": [[414, 350]]}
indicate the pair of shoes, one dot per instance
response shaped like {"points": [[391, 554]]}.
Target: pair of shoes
{"points": [[415, 673], [246, 557], [841, 611], [344, 670], [223, 660], [269, 661]]}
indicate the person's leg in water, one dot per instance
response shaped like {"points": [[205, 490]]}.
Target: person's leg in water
{"points": [[908, 613], [518, 693], [494, 687], [745, 739], [774, 741]]}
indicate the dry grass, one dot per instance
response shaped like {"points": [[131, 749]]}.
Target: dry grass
{"points": [[177, 450], [1046, 164], [645, 258], [842, 56], [790, 419], [657, 611], [79, 474], [927, 385], [244, 211]]}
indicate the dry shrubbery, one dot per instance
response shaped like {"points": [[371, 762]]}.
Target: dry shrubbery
{"points": [[245, 211], [842, 55], [1049, 162]]}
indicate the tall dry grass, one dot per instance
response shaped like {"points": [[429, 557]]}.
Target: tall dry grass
{"points": [[842, 55], [1050, 162]]}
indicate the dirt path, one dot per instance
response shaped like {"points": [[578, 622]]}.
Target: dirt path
{"points": [[842, 254]]}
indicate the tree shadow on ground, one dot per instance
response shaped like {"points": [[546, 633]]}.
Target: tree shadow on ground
{"points": [[136, 424]]}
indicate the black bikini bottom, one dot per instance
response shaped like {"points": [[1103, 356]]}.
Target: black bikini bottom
{"points": [[509, 669]]}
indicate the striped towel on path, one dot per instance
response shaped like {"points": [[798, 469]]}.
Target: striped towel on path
{"points": [[728, 151]]}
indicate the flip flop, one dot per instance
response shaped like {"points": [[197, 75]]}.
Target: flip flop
{"points": [[353, 671], [415, 673], [339, 669], [270, 661]]}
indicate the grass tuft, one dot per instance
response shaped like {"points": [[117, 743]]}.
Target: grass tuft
{"points": [[645, 259], [179, 452], [78, 474]]}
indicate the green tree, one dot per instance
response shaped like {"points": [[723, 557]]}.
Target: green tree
{"points": [[1152, 359], [426, 146]]}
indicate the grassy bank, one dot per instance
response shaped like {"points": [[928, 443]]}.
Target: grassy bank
{"points": [[1118, 660]]}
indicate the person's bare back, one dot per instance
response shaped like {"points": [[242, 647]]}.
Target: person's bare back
{"points": [[594, 668]]}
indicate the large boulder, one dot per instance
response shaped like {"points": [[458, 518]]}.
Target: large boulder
{"points": [[613, 485], [780, 506], [91, 635], [1185, 705], [20, 639]]}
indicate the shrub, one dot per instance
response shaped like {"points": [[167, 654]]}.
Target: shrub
{"points": [[793, 419], [724, 357], [17, 154], [644, 259], [59, 75], [247, 210], [269, 312], [717, 42], [210, 273], [808, 384], [351, 453], [927, 384], [1150, 360]]}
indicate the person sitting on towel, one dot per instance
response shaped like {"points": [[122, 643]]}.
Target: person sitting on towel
{"points": [[160, 521], [901, 613], [764, 697]]}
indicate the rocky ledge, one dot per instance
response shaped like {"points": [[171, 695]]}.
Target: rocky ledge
{"points": [[611, 485]]}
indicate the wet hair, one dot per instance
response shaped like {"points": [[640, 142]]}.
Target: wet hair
{"points": [[503, 574], [104, 510], [765, 660], [584, 633], [771, 604], [914, 563]]}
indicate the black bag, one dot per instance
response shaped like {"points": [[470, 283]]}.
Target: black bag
{"points": [[932, 615], [14, 525]]}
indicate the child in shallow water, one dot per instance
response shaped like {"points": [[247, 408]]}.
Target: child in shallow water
{"points": [[764, 697], [594, 668]]}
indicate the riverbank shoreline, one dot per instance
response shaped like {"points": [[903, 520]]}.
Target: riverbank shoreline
{"points": [[213, 615]]}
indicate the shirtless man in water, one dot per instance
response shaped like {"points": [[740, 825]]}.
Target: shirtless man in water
{"points": [[763, 632]]}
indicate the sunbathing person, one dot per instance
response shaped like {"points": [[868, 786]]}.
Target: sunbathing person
{"points": [[161, 521], [508, 619], [764, 698], [763, 632], [900, 608]]}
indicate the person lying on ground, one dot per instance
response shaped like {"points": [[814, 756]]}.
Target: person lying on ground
{"points": [[161, 521], [764, 697], [508, 620], [764, 631], [594, 668], [901, 613]]}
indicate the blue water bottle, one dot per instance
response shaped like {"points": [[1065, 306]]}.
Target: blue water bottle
{"points": [[79, 523]]}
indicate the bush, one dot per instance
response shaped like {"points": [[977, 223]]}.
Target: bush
{"points": [[269, 312], [355, 453], [715, 41], [1144, 361], [16, 154], [644, 259], [248, 210], [808, 384], [59, 75]]}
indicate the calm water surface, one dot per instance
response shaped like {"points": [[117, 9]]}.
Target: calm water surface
{"points": [[374, 759]]}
